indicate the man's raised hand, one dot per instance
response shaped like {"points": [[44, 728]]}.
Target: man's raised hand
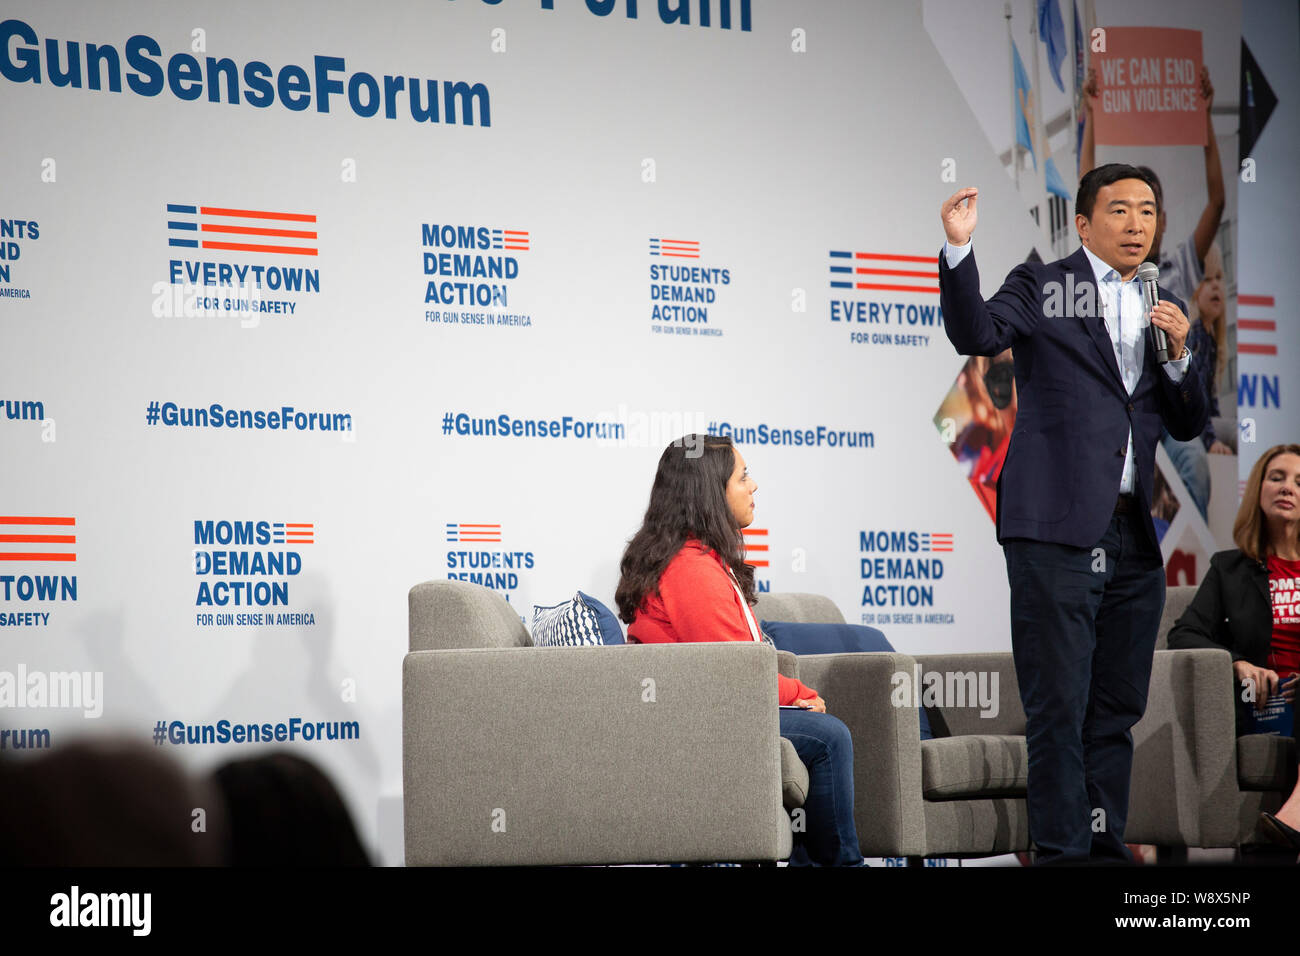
{"points": [[958, 215]]}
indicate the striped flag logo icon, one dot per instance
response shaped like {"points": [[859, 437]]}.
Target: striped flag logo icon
{"points": [[480, 533], [289, 532], [675, 248], [27, 538], [936, 541], [1256, 325], [884, 271], [241, 230], [756, 547]]}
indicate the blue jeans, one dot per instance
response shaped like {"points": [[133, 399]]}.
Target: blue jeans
{"points": [[829, 836]]}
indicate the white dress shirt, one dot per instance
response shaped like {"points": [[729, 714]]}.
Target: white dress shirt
{"points": [[1126, 321]]}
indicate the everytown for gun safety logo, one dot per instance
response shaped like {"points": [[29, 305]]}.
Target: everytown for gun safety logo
{"points": [[471, 275], [244, 570], [902, 310], [239, 263], [35, 554]]}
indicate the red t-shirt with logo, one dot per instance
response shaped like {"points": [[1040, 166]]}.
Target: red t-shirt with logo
{"points": [[1284, 596]]}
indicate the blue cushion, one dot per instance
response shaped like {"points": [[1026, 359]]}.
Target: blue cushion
{"points": [[611, 632], [833, 639], [825, 638]]}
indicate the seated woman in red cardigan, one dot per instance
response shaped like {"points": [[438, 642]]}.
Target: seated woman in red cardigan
{"points": [[684, 578]]}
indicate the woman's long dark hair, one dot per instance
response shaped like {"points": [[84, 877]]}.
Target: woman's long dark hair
{"points": [[688, 499]]}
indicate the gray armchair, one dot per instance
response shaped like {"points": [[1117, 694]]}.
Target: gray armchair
{"points": [[961, 794], [1195, 782], [520, 755]]}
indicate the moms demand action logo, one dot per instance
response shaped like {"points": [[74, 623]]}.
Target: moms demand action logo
{"points": [[248, 564], [879, 319], [682, 295], [31, 548], [13, 234], [496, 568], [469, 273], [245, 288], [897, 568]]}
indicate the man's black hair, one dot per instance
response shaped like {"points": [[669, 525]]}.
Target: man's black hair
{"points": [[1091, 184]]}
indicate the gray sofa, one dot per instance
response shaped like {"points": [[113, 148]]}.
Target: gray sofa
{"points": [[1195, 783], [670, 753], [520, 755]]}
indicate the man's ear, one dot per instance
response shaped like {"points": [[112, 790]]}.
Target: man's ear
{"points": [[1081, 224]]}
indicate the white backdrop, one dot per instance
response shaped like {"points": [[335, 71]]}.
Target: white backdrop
{"points": [[824, 128]]}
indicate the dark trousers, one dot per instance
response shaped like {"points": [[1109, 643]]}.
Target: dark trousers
{"points": [[1083, 633], [828, 836]]}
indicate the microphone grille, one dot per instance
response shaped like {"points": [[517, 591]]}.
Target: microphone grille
{"points": [[1148, 272]]}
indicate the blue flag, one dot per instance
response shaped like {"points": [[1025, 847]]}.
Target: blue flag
{"points": [[1055, 184], [1052, 32], [1021, 101]]}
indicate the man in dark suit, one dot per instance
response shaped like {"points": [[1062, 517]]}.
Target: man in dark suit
{"points": [[1074, 496]]}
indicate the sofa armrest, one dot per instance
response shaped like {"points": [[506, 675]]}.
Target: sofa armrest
{"points": [[1184, 790], [639, 753], [787, 664], [888, 806]]}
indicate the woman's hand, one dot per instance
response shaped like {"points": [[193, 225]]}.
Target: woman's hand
{"points": [[1262, 681], [815, 704]]}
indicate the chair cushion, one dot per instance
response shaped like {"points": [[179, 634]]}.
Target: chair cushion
{"points": [[1266, 762], [974, 765], [800, 638], [794, 777]]}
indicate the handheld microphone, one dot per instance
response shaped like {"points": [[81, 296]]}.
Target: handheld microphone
{"points": [[1148, 273]]}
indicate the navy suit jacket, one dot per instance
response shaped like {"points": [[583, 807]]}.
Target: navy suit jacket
{"points": [[1063, 466]]}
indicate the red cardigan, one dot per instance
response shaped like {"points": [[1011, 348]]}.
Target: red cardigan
{"points": [[697, 602]]}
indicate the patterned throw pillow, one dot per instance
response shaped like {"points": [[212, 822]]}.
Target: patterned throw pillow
{"points": [[611, 632], [571, 624]]}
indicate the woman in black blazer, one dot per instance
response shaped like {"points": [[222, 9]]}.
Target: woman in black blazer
{"points": [[1243, 606]]}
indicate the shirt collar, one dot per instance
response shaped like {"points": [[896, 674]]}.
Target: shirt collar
{"points": [[1103, 272]]}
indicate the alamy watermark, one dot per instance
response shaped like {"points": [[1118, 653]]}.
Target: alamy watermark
{"points": [[946, 689], [68, 690]]}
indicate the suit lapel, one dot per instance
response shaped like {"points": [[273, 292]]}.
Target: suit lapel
{"points": [[1095, 325]]}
